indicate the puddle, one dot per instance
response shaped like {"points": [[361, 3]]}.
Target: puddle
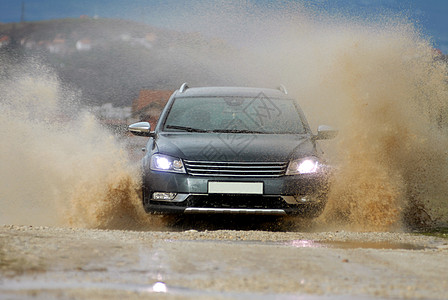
{"points": [[353, 245], [383, 245]]}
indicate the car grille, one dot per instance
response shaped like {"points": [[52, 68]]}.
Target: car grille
{"points": [[235, 169]]}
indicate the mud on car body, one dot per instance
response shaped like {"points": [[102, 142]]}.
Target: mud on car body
{"points": [[233, 150]]}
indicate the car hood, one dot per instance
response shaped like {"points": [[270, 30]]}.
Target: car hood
{"points": [[235, 147]]}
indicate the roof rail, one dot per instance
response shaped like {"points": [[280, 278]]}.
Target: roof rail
{"points": [[282, 88], [183, 87]]}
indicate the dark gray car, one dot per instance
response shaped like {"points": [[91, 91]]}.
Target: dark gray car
{"points": [[233, 150]]}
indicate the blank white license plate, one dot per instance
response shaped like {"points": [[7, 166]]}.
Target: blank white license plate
{"points": [[216, 187]]}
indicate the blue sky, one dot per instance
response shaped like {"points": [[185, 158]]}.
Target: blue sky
{"points": [[431, 15]]}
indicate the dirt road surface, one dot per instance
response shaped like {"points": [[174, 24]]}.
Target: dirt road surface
{"points": [[64, 263]]}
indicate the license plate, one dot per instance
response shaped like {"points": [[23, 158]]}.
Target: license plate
{"points": [[217, 187]]}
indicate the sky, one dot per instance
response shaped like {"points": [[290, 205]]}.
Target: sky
{"points": [[430, 15]]}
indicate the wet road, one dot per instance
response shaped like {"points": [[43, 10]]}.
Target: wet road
{"points": [[55, 263]]}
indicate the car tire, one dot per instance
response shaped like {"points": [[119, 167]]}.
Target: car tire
{"points": [[145, 198]]}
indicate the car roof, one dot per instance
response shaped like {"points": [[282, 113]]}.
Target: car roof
{"points": [[230, 92]]}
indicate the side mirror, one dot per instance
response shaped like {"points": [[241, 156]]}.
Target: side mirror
{"points": [[325, 132], [140, 129]]}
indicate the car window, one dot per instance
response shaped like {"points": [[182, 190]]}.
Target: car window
{"points": [[234, 114]]}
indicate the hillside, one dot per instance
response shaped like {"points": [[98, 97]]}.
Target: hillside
{"points": [[112, 60]]}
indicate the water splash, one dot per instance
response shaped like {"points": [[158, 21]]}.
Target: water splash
{"points": [[59, 165], [388, 95]]}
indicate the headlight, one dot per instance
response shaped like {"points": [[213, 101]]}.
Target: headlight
{"points": [[165, 163], [303, 166]]}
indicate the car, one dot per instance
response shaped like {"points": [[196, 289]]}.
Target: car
{"points": [[233, 150]]}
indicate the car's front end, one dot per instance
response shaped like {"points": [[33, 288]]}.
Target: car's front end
{"points": [[191, 185]]}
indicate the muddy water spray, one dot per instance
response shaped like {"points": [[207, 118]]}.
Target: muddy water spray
{"points": [[391, 152], [58, 165]]}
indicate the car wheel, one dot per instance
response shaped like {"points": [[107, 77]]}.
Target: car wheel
{"points": [[145, 198]]}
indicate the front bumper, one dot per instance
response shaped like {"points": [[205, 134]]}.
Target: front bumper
{"points": [[280, 195]]}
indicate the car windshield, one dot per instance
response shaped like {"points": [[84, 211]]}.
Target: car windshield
{"points": [[234, 115]]}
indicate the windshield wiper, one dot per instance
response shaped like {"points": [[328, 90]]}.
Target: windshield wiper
{"points": [[185, 128], [236, 131], [191, 129]]}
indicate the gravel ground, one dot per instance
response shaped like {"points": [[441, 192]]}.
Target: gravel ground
{"points": [[55, 263]]}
